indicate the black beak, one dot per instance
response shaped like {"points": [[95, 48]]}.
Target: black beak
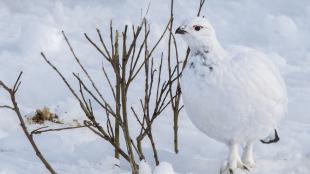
{"points": [[180, 31]]}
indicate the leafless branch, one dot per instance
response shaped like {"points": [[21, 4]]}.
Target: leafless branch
{"points": [[200, 6], [39, 131], [6, 106], [12, 91]]}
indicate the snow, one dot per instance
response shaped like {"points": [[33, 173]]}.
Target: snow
{"points": [[144, 168], [279, 28], [164, 167]]}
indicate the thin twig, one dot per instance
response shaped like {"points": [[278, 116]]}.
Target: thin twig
{"points": [[6, 106], [53, 130], [200, 6], [15, 108]]}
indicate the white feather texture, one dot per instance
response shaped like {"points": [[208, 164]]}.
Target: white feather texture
{"points": [[235, 95]]}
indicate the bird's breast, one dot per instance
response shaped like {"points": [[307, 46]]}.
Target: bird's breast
{"points": [[199, 68]]}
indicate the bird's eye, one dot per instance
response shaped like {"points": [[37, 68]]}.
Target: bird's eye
{"points": [[197, 27]]}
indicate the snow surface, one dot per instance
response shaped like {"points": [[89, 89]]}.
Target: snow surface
{"points": [[280, 28]]}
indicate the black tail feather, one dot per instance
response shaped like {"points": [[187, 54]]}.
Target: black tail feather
{"points": [[274, 140]]}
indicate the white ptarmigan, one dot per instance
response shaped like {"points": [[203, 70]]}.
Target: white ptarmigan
{"points": [[235, 96]]}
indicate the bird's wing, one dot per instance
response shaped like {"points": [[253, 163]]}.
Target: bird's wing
{"points": [[266, 79]]}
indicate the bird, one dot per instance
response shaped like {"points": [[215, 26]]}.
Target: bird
{"points": [[235, 95]]}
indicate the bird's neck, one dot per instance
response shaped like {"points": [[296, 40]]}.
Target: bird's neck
{"points": [[213, 51]]}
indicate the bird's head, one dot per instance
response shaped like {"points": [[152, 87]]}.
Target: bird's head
{"points": [[197, 32]]}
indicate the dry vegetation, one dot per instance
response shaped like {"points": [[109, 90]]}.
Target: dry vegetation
{"points": [[43, 115]]}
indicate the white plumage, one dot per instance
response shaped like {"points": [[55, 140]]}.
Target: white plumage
{"points": [[235, 96]]}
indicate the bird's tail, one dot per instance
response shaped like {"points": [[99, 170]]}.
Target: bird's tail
{"points": [[272, 138]]}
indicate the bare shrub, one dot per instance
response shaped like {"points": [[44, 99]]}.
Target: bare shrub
{"points": [[128, 58], [127, 62]]}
